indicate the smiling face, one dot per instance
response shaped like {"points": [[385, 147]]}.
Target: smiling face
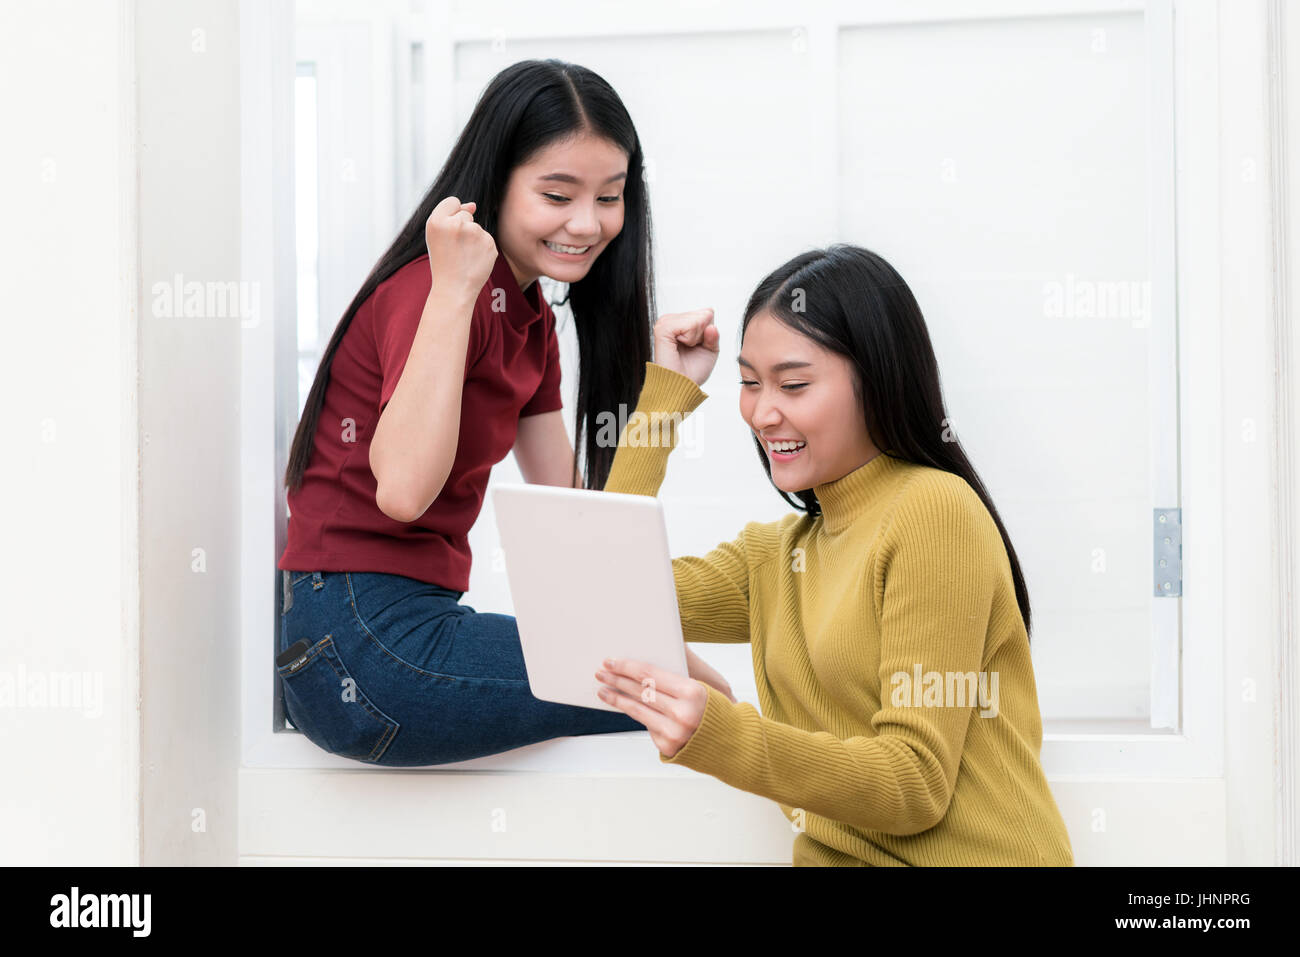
{"points": [[570, 195], [796, 390]]}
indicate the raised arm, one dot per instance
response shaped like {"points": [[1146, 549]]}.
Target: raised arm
{"points": [[641, 459], [414, 443], [712, 590]]}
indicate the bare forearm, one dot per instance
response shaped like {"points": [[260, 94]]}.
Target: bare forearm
{"points": [[414, 445]]}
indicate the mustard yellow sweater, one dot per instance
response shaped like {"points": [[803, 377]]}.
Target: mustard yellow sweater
{"points": [[900, 721]]}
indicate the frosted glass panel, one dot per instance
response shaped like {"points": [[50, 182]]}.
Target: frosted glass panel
{"points": [[1001, 166]]}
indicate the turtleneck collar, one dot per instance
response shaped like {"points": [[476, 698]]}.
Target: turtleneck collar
{"points": [[844, 499], [523, 306]]}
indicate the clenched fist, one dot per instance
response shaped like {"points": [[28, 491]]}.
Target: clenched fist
{"points": [[687, 342], [461, 252]]}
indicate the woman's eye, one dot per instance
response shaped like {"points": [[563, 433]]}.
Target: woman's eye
{"points": [[607, 200], [792, 386]]}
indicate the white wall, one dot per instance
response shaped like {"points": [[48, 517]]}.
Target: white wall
{"points": [[1285, 58], [70, 772], [187, 62], [122, 541]]}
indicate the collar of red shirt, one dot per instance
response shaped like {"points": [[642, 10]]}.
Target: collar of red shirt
{"points": [[523, 306]]}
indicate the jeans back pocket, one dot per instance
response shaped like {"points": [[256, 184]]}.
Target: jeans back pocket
{"points": [[325, 704]]}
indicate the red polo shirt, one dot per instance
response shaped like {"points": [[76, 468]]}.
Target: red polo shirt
{"points": [[512, 369]]}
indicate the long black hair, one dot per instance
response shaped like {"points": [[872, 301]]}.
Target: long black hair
{"points": [[526, 107], [852, 302]]}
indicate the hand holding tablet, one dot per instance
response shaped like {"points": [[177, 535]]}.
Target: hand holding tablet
{"points": [[671, 706], [591, 578]]}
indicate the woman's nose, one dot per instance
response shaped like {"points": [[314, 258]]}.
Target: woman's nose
{"points": [[583, 224], [766, 414]]}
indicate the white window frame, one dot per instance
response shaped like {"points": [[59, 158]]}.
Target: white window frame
{"points": [[1183, 56]]}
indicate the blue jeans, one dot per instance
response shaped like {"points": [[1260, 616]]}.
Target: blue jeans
{"points": [[397, 672]]}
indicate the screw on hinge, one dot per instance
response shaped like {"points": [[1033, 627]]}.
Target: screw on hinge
{"points": [[1167, 549]]}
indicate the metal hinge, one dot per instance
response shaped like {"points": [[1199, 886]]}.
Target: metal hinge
{"points": [[1167, 552]]}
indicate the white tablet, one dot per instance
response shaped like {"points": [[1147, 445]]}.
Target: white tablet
{"points": [[591, 578]]}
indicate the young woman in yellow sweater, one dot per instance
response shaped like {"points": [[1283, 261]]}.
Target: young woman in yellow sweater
{"points": [[888, 617]]}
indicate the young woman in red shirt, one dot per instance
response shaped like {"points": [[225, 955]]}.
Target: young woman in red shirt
{"points": [[446, 360]]}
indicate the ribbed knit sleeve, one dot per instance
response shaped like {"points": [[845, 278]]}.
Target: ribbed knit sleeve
{"points": [[712, 591], [930, 588], [641, 459]]}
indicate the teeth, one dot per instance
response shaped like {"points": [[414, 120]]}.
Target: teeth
{"points": [[785, 446], [567, 249]]}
